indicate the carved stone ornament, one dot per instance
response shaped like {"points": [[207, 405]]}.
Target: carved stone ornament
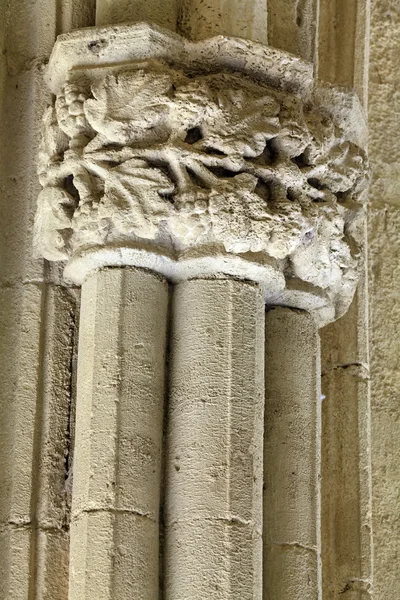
{"points": [[220, 157]]}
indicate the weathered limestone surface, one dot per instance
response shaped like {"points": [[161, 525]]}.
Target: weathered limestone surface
{"points": [[346, 485], [119, 423], [347, 552], [199, 19], [260, 176], [292, 454], [344, 63], [347, 544], [37, 322], [35, 440], [383, 230], [292, 26], [384, 97], [214, 478], [45, 551], [160, 12], [384, 224]]}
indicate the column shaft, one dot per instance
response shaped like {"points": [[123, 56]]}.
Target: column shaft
{"points": [[164, 13], [215, 436], [201, 19], [119, 421], [292, 457]]}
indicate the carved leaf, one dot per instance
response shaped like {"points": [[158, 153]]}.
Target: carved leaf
{"points": [[130, 107], [133, 198], [234, 119]]}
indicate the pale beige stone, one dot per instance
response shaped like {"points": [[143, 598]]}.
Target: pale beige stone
{"points": [[36, 347], [384, 224], [346, 485], [347, 551], [384, 96], [292, 433], [36, 391], [292, 26], [114, 554], [218, 174], [213, 509], [119, 422], [15, 553], [35, 23], [164, 13], [383, 230], [199, 19], [54, 452], [346, 342], [30, 314], [344, 63], [28, 30], [51, 564], [347, 542]]}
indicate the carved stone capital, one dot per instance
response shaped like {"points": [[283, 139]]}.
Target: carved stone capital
{"points": [[221, 157]]}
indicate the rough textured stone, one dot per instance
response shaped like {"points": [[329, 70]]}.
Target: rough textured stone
{"points": [[51, 561], [346, 342], [113, 555], [383, 231], [163, 13], [215, 174], [213, 509], [15, 549], [119, 421], [346, 484], [292, 26], [344, 63], [384, 96], [35, 321], [347, 553], [31, 27], [384, 224], [199, 19], [292, 454], [347, 543], [34, 443]]}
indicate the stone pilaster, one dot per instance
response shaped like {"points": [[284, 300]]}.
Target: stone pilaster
{"points": [[163, 13]]}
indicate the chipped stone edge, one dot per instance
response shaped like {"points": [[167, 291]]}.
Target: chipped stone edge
{"points": [[95, 46]]}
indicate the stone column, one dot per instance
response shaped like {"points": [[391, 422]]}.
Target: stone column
{"points": [[119, 426], [292, 440], [222, 166], [215, 439]]}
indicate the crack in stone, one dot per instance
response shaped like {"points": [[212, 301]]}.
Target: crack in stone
{"points": [[26, 525], [115, 511], [293, 546], [358, 370], [361, 585], [229, 520]]}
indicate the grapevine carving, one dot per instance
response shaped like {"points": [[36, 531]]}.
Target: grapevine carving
{"points": [[149, 153]]}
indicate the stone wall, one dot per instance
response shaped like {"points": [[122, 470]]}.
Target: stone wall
{"points": [[37, 324], [384, 255]]}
